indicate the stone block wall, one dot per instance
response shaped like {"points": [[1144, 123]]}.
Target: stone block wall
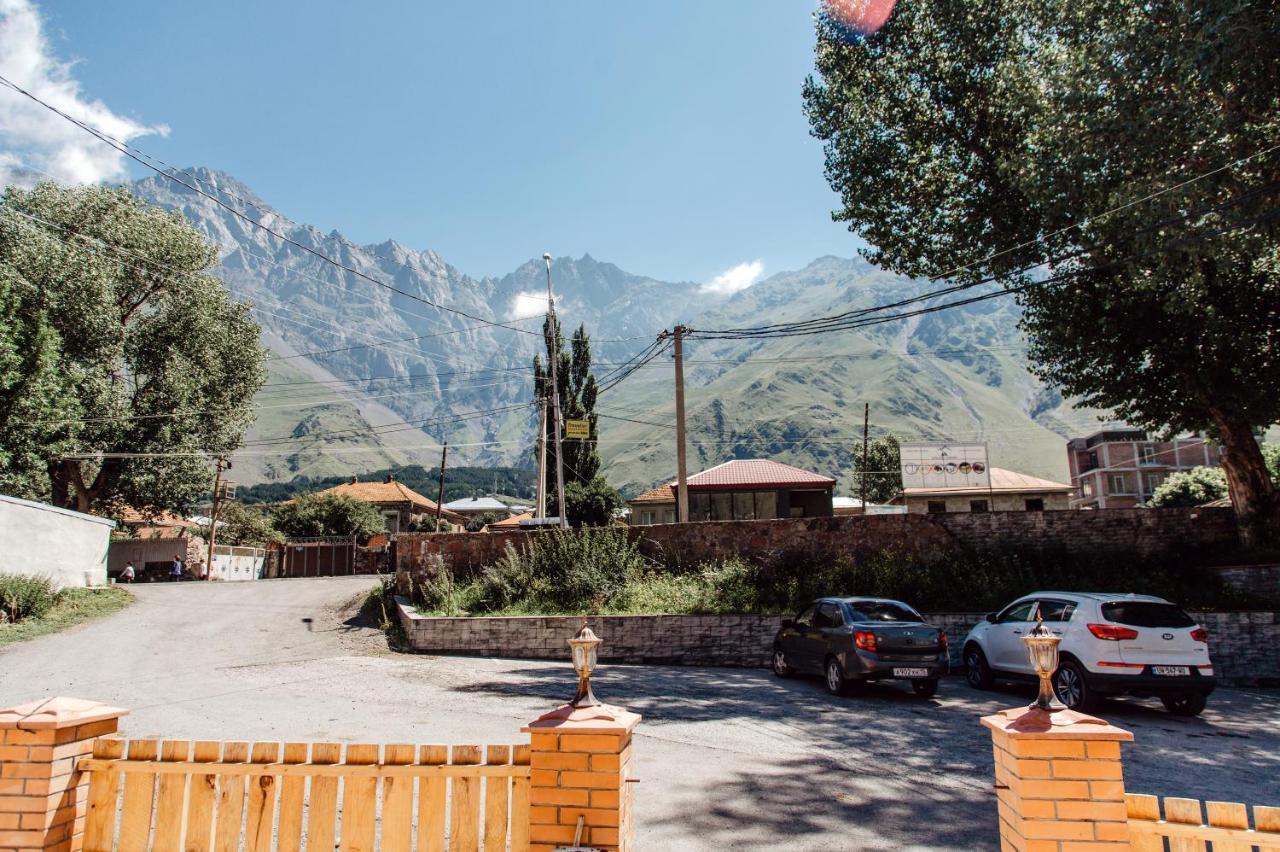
{"points": [[1139, 533], [1245, 646], [1262, 580]]}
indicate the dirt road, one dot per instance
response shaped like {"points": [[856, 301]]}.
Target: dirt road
{"points": [[728, 759]]}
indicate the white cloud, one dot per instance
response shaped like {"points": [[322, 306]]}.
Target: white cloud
{"points": [[528, 304], [735, 278], [39, 143]]}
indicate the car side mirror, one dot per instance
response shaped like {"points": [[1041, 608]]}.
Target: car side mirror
{"points": [[991, 617], [788, 623]]}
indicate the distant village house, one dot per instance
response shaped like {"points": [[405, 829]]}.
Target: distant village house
{"points": [[740, 490], [399, 504], [1009, 491], [1122, 468]]}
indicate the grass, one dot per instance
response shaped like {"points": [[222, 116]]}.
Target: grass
{"points": [[72, 607]]}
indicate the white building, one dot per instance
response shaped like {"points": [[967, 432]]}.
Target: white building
{"points": [[40, 540]]}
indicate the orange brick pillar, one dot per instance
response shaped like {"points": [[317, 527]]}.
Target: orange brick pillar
{"points": [[1059, 782], [42, 795], [581, 767]]}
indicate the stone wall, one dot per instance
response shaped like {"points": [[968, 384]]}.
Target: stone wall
{"points": [[1261, 580], [1245, 646], [1124, 532]]}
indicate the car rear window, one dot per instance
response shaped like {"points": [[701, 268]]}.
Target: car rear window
{"points": [[882, 611], [1146, 614]]}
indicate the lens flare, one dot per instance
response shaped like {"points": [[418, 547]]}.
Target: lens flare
{"points": [[863, 17]]}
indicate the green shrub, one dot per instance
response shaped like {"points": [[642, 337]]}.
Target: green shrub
{"points": [[24, 597]]}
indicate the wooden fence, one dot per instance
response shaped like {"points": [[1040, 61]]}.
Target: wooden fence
{"points": [[205, 796], [1223, 828]]}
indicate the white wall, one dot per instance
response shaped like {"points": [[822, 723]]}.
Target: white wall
{"points": [[41, 540]]}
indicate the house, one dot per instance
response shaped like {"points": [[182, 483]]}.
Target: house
{"points": [[1122, 468], [150, 540], [740, 490], [472, 507], [39, 540], [1009, 491], [846, 506], [399, 504], [509, 524]]}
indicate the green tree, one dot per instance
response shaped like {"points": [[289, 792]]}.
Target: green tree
{"points": [[322, 515], [577, 402], [244, 525], [1271, 453], [590, 505], [884, 469], [1117, 143], [479, 522], [1193, 487], [116, 341]]}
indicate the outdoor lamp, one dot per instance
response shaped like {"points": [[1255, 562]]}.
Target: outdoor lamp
{"points": [[584, 647], [1042, 648]]}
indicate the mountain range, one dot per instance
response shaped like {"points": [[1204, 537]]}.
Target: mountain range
{"points": [[364, 376]]}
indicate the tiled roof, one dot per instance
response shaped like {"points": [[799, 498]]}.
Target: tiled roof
{"points": [[1002, 482], [740, 474], [512, 522], [132, 517], [390, 492]]}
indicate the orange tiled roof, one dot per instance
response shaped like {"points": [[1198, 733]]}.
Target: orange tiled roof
{"points": [[132, 517], [512, 522], [391, 492], [1002, 482], [661, 494]]}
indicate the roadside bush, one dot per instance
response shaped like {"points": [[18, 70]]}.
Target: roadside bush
{"points": [[1193, 487], [24, 597]]}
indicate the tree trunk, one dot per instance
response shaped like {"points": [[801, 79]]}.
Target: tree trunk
{"points": [[59, 484], [1254, 497]]}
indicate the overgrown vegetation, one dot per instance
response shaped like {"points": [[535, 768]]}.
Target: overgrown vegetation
{"points": [[1193, 487], [600, 571], [313, 515], [23, 597], [56, 610], [380, 608]]}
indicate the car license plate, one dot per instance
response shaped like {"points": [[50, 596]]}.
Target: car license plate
{"points": [[910, 672], [1171, 670]]}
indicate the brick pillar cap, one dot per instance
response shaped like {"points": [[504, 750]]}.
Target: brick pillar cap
{"points": [[601, 719], [1030, 723], [55, 713]]}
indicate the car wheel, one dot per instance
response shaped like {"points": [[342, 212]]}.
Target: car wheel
{"points": [[976, 670], [836, 683], [780, 666], [1072, 689], [925, 688], [1191, 704]]}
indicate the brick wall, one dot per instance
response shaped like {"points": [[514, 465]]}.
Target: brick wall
{"points": [[1245, 645], [1136, 532]]}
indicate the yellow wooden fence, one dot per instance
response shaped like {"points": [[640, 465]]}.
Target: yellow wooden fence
{"points": [[205, 796], [1223, 827]]}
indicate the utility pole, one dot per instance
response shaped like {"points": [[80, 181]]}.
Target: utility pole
{"points": [[220, 465], [444, 457], [682, 477], [866, 429], [541, 511], [555, 397]]}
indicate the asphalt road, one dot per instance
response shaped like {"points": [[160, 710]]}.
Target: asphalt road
{"points": [[728, 759]]}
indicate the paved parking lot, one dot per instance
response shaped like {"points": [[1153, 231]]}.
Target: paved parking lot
{"points": [[728, 759]]}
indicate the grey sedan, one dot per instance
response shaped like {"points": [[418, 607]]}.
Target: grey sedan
{"points": [[850, 641]]}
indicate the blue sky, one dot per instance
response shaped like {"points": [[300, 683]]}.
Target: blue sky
{"points": [[667, 137]]}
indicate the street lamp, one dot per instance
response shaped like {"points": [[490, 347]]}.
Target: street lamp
{"points": [[584, 647], [1042, 648]]}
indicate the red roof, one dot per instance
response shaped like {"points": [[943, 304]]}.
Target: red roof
{"points": [[738, 475]]}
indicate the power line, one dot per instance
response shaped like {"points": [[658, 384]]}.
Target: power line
{"points": [[124, 149]]}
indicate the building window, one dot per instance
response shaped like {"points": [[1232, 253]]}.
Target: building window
{"points": [[766, 504], [1153, 482], [722, 507], [744, 506], [978, 506], [1147, 454], [937, 507], [1086, 488], [699, 506], [392, 521], [1116, 484], [1036, 504]]}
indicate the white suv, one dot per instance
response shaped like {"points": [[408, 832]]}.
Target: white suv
{"points": [[1111, 644]]}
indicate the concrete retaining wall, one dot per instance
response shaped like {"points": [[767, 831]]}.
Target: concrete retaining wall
{"points": [[1137, 533], [1245, 645]]}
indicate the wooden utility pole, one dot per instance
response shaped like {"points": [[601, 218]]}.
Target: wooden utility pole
{"points": [[444, 457], [219, 465], [866, 430], [682, 477], [541, 511]]}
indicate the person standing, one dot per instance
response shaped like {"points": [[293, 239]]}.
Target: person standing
{"points": [[128, 573], [175, 573]]}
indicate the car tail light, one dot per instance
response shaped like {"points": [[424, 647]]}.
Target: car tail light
{"points": [[1111, 631], [942, 638], [1200, 634], [865, 639]]}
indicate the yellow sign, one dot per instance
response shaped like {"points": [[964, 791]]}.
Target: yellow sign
{"points": [[577, 429]]}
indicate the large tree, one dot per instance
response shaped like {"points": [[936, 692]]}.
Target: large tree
{"points": [[116, 340], [577, 402], [1110, 160]]}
